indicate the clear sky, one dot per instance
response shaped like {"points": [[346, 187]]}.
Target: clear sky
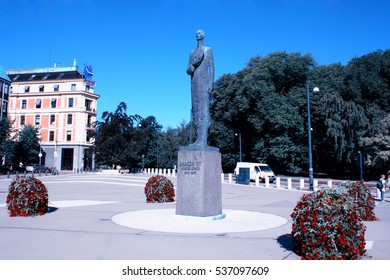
{"points": [[139, 49]]}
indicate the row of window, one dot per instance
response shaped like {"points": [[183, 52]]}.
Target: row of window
{"points": [[53, 103], [69, 120], [68, 136], [56, 88]]}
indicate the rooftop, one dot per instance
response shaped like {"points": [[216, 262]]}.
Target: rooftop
{"points": [[3, 75], [43, 74]]}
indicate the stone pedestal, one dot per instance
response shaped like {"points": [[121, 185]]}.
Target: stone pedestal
{"points": [[199, 182]]}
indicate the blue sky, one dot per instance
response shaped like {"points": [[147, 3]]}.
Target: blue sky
{"points": [[139, 49]]}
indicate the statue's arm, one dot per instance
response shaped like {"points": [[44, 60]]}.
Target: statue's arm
{"points": [[190, 68], [211, 68]]}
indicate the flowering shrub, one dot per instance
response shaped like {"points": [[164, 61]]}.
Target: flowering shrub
{"points": [[27, 196], [326, 226], [159, 189], [362, 199]]}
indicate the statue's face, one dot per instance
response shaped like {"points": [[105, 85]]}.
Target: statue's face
{"points": [[199, 35]]}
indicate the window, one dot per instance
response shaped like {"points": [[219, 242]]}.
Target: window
{"points": [[37, 119], [53, 102], [52, 119], [51, 136], [41, 88], [73, 87], [88, 104], [70, 119], [26, 89], [60, 76], [88, 136], [31, 78], [69, 135], [70, 102], [22, 120], [87, 88], [24, 104], [46, 76], [38, 103], [56, 87], [89, 121]]}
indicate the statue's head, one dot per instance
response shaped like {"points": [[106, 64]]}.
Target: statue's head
{"points": [[199, 35]]}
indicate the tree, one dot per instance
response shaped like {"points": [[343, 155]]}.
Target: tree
{"points": [[115, 138], [28, 147], [6, 152]]}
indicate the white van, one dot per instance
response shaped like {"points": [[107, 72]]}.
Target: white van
{"points": [[256, 169]]}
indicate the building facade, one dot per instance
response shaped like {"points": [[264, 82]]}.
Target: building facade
{"points": [[61, 103], [5, 83]]}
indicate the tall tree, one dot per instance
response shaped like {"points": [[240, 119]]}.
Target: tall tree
{"points": [[115, 137], [28, 147], [5, 141]]}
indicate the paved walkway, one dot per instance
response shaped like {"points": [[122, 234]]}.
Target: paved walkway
{"points": [[90, 213]]}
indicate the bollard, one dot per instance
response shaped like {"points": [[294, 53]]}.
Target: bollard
{"points": [[230, 180], [289, 183], [222, 177], [257, 179], [266, 181], [169, 172], [315, 184], [301, 184], [277, 182], [329, 183], [174, 172], [8, 174]]}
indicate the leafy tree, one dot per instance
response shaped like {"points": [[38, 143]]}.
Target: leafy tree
{"points": [[28, 147], [5, 141], [115, 138], [148, 136]]}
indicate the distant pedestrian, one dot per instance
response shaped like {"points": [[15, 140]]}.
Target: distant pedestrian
{"points": [[388, 182], [381, 187]]}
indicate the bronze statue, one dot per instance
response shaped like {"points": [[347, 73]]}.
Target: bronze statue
{"points": [[201, 70]]}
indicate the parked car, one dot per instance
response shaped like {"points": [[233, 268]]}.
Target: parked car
{"points": [[36, 168], [29, 167]]}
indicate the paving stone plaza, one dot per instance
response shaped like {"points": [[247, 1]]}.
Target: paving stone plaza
{"points": [[105, 217]]}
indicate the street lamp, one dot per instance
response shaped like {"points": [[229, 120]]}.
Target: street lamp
{"points": [[239, 139], [316, 89], [361, 165]]}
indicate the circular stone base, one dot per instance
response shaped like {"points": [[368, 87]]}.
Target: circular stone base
{"points": [[165, 220]]}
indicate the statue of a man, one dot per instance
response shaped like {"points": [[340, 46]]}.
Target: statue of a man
{"points": [[201, 70]]}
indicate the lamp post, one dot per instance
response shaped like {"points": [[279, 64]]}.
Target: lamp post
{"points": [[361, 165], [316, 89], [239, 139]]}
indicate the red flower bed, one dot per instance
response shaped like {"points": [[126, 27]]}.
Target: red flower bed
{"points": [[326, 226], [27, 196], [159, 189]]}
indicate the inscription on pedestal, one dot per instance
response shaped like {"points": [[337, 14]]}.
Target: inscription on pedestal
{"points": [[190, 167]]}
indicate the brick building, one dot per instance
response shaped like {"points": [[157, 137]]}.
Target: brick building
{"points": [[61, 103]]}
